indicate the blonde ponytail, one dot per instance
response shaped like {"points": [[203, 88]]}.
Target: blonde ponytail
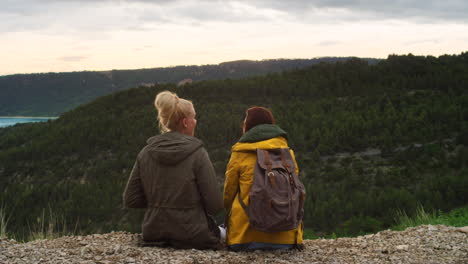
{"points": [[171, 109]]}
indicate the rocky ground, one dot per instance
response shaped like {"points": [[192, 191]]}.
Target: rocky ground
{"points": [[423, 244]]}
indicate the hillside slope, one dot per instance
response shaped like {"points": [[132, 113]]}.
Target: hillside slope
{"points": [[370, 140], [51, 94], [423, 244]]}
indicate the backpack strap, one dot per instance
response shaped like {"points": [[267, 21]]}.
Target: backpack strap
{"points": [[290, 171], [270, 175], [285, 164], [267, 160]]}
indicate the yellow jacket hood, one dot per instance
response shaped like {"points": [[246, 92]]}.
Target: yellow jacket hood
{"points": [[272, 143]]}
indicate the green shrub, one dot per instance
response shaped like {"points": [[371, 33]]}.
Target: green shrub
{"points": [[456, 217]]}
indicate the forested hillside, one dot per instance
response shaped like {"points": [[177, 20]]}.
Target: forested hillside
{"points": [[370, 140], [51, 94]]}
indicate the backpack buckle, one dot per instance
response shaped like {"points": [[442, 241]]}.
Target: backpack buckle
{"points": [[271, 177]]}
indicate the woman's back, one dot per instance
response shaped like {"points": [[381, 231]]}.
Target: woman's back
{"points": [[239, 176], [166, 169], [173, 178]]}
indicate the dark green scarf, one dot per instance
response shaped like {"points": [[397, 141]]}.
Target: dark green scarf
{"points": [[262, 132]]}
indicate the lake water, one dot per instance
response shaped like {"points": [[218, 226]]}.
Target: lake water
{"points": [[9, 121]]}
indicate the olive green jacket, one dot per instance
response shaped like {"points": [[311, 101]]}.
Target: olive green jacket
{"points": [[173, 178]]}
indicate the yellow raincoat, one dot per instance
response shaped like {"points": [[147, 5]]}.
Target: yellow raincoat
{"points": [[239, 174]]}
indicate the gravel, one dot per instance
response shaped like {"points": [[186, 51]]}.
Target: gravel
{"points": [[422, 244]]}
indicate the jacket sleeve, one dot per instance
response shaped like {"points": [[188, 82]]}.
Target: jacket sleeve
{"points": [[207, 185], [134, 196], [231, 183]]}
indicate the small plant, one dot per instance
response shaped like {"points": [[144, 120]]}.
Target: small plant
{"points": [[456, 217], [3, 222], [309, 234], [52, 226], [421, 217]]}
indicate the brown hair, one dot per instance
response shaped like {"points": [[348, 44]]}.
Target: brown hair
{"points": [[258, 115], [171, 109]]}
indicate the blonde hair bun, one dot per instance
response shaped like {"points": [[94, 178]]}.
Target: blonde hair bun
{"points": [[171, 109]]}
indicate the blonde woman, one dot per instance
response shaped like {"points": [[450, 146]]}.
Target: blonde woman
{"points": [[173, 178]]}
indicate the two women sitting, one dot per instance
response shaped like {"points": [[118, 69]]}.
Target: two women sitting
{"points": [[173, 178]]}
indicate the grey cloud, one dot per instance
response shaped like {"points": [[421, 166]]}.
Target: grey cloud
{"points": [[419, 10], [205, 11], [21, 7], [72, 58], [196, 12], [328, 43], [67, 17], [23, 15], [449, 9]]}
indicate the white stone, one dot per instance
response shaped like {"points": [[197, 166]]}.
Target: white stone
{"points": [[463, 229], [402, 247]]}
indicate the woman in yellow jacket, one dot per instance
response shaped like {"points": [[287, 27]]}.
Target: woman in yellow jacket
{"points": [[260, 132]]}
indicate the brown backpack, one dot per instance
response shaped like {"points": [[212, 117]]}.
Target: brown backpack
{"points": [[276, 199]]}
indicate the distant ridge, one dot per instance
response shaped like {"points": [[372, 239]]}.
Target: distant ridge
{"points": [[51, 94]]}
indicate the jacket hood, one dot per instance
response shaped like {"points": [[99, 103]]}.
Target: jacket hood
{"points": [[272, 143], [172, 147], [263, 132]]}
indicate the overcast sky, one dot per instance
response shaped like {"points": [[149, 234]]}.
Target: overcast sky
{"points": [[76, 35]]}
